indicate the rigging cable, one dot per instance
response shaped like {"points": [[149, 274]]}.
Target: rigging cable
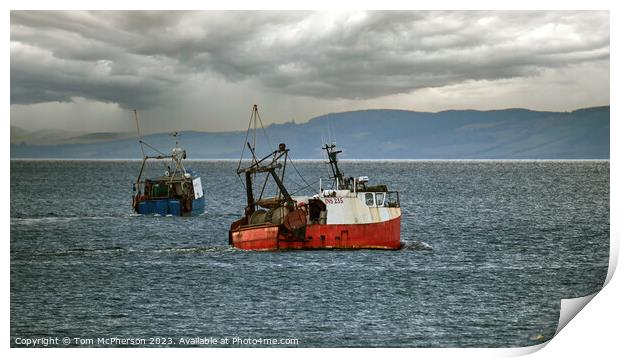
{"points": [[244, 142], [135, 113], [298, 173]]}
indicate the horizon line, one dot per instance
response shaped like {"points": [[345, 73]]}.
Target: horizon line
{"points": [[340, 160]]}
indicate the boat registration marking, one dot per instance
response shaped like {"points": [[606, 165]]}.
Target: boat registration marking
{"points": [[333, 200]]}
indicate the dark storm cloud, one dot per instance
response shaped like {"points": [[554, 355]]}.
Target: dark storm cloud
{"points": [[134, 58]]}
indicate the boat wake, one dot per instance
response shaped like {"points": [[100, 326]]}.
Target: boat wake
{"points": [[53, 219], [122, 251], [416, 245]]}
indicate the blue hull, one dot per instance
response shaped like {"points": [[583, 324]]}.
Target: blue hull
{"points": [[165, 207]]}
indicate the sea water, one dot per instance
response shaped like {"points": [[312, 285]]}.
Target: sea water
{"points": [[490, 249]]}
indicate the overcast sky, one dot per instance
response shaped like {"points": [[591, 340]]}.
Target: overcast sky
{"points": [[203, 70]]}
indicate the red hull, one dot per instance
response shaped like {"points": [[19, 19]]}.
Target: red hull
{"points": [[381, 235]]}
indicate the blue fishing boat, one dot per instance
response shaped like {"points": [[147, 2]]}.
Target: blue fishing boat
{"points": [[177, 192]]}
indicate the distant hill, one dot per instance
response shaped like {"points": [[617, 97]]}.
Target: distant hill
{"points": [[50, 137], [380, 134]]}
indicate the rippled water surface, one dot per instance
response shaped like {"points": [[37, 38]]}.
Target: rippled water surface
{"points": [[492, 247]]}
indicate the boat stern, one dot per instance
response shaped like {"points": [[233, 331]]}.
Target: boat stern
{"points": [[260, 237]]}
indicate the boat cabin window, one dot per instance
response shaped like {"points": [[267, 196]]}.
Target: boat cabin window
{"points": [[369, 198], [159, 190], [379, 198]]}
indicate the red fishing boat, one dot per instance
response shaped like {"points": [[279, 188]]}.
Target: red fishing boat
{"points": [[350, 215]]}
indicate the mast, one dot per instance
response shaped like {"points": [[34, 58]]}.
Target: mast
{"points": [[135, 114], [332, 155], [178, 154], [249, 194], [262, 165]]}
